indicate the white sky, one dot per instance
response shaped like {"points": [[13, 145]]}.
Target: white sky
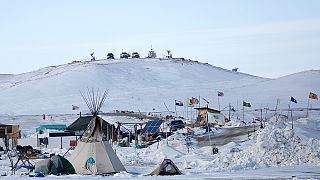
{"points": [[268, 38]]}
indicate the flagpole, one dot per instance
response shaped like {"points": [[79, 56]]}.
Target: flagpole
{"points": [[289, 108], [175, 107], [308, 107], [291, 116], [218, 101], [243, 112]]}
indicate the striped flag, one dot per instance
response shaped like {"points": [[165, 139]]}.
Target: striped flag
{"points": [[313, 96], [178, 103]]}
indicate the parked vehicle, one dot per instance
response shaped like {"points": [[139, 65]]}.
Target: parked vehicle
{"points": [[135, 55], [110, 56], [176, 125], [124, 55]]}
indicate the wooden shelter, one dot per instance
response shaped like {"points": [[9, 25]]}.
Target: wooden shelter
{"points": [[10, 133], [211, 116]]}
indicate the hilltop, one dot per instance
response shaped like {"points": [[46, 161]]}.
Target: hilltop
{"points": [[134, 84]]}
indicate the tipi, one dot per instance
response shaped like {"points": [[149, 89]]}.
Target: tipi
{"points": [[93, 155]]}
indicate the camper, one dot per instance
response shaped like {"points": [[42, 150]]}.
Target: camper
{"points": [[124, 55], [135, 55], [110, 56]]}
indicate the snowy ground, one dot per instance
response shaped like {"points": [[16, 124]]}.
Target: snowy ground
{"points": [[276, 151]]}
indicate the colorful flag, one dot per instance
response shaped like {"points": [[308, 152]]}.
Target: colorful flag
{"points": [[220, 93], [178, 103], [189, 102], [205, 100], [194, 100], [75, 107], [293, 100], [313, 96], [246, 104]]}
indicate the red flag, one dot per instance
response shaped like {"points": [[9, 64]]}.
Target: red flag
{"points": [[313, 96]]}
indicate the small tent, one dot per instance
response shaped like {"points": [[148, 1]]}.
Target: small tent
{"points": [[93, 155], [167, 168], [56, 165]]}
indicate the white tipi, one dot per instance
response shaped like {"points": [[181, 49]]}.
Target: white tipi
{"points": [[93, 155]]}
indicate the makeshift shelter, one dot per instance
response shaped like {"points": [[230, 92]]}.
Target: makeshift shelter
{"points": [[56, 165], [93, 155], [209, 116], [10, 133], [167, 168]]}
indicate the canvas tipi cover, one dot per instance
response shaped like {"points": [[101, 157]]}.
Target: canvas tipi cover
{"points": [[94, 156]]}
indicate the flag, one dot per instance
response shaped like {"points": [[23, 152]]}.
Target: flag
{"points": [[189, 102], [313, 96], [205, 100], [194, 100], [75, 107], [246, 104], [178, 103], [293, 100], [220, 93]]}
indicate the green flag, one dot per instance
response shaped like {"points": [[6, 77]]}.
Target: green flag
{"points": [[246, 104]]}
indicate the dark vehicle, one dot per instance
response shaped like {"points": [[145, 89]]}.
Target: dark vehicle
{"points": [[124, 55], [135, 55], [176, 124], [110, 56]]}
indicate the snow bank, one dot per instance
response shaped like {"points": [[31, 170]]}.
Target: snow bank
{"points": [[275, 145]]}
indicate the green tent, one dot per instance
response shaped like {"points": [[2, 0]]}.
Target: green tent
{"points": [[56, 165]]}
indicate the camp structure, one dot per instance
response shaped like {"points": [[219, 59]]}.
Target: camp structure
{"points": [[93, 155], [167, 168], [56, 165], [81, 124], [10, 133], [209, 116]]}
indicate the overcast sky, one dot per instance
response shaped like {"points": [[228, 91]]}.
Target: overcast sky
{"points": [[268, 38]]}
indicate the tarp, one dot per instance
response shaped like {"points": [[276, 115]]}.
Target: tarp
{"points": [[60, 127], [81, 124]]}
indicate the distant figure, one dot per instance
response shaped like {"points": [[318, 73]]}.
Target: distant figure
{"points": [[235, 69], [92, 57], [44, 117]]}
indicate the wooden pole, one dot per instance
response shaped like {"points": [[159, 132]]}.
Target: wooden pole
{"points": [[308, 107], [229, 111], [243, 112], [261, 123], [175, 107], [219, 102]]}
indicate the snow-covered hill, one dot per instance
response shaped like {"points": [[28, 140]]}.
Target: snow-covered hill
{"points": [[143, 84]]}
